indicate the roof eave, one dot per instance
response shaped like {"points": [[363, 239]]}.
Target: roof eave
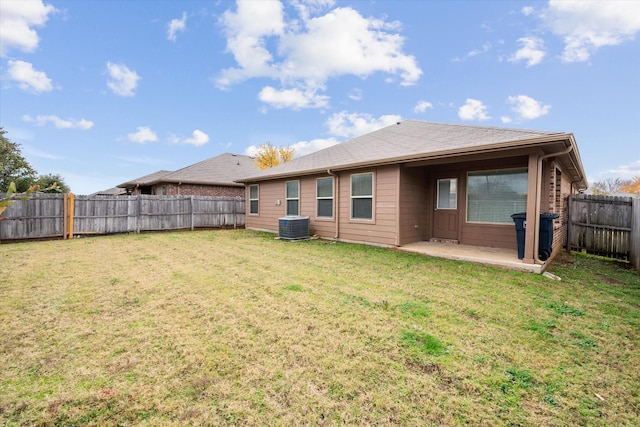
{"points": [[519, 144]]}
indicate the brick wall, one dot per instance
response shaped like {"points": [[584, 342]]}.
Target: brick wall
{"points": [[170, 189]]}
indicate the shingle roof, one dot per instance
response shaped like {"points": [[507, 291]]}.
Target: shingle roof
{"points": [[145, 180], [219, 170], [408, 140]]}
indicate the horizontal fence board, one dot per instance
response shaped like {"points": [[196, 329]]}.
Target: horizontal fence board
{"points": [[43, 215], [601, 225], [34, 216]]}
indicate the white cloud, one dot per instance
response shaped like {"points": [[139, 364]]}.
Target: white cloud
{"points": [[303, 148], [122, 81], [532, 51], [176, 25], [506, 119], [355, 94], [308, 51], [527, 10], [292, 98], [527, 107], [197, 139], [58, 122], [142, 135], [422, 106], [486, 47], [17, 19], [28, 78], [473, 110], [350, 125], [628, 171], [587, 26]]}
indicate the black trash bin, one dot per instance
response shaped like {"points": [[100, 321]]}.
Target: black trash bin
{"points": [[545, 239], [521, 224], [546, 235]]}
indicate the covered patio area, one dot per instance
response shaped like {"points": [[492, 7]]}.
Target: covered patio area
{"points": [[500, 257]]}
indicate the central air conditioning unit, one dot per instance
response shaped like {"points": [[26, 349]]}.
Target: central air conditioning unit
{"points": [[293, 227]]}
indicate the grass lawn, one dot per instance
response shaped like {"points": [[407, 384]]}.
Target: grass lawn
{"points": [[233, 327]]}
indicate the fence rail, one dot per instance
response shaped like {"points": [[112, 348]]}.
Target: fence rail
{"points": [[606, 226], [41, 216]]}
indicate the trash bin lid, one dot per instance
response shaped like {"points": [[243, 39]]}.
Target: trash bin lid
{"points": [[521, 215], [549, 215]]}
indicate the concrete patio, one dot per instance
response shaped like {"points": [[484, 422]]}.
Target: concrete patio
{"points": [[506, 258]]}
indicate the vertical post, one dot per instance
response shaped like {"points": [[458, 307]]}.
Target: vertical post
{"points": [[65, 217], [71, 213], [235, 215], [532, 202], [569, 218], [192, 213]]}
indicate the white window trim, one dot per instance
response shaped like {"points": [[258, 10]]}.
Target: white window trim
{"points": [[332, 197], [287, 198], [257, 199], [372, 197]]}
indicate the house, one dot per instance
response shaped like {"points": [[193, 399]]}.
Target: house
{"points": [[115, 191], [417, 181], [212, 177]]}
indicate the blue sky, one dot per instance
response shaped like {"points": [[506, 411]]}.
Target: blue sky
{"points": [[102, 92]]}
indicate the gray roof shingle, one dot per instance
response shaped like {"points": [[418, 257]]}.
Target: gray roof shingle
{"points": [[223, 170], [407, 140]]}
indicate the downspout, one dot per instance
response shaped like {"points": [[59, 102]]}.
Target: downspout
{"points": [[536, 237], [337, 204]]}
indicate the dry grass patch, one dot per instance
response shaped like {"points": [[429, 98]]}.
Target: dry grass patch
{"points": [[233, 327]]}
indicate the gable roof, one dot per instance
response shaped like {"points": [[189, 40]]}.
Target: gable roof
{"points": [[411, 140], [220, 170], [146, 179]]}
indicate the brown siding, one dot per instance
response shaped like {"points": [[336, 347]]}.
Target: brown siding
{"points": [[382, 230], [268, 212], [490, 235], [413, 205]]}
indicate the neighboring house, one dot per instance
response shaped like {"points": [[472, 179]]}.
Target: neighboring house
{"points": [[419, 181], [212, 177], [111, 192]]}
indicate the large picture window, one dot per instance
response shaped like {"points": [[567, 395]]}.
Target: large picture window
{"points": [[293, 197], [362, 196], [324, 197], [253, 199], [493, 196]]}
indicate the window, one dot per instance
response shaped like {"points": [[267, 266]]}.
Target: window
{"points": [[447, 193], [293, 197], [493, 196], [362, 196], [324, 197], [254, 194]]}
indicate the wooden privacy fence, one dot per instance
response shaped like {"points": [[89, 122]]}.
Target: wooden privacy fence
{"points": [[41, 216], [606, 226]]}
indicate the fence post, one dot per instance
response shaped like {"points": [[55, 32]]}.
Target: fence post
{"points": [[634, 250], [65, 217], [71, 212], [192, 213], [139, 213]]}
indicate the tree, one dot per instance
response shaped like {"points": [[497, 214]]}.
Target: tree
{"points": [[632, 186], [269, 156], [51, 183], [13, 167]]}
